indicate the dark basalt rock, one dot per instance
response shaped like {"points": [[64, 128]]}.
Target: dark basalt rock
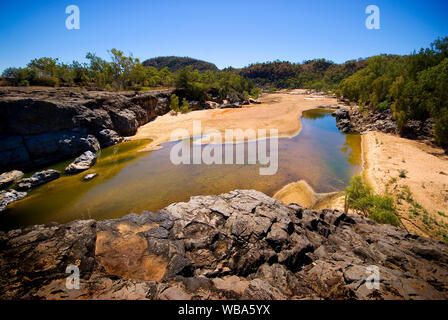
{"points": [[40, 126], [239, 245], [108, 137], [37, 179], [343, 122]]}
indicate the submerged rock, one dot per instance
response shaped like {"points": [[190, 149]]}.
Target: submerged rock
{"points": [[82, 163], [37, 179], [8, 178], [9, 196], [238, 245]]}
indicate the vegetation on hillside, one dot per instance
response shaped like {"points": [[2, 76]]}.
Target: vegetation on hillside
{"points": [[177, 63], [415, 87], [317, 74], [127, 72]]}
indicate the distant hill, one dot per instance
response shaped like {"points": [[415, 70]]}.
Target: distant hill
{"points": [[176, 63]]}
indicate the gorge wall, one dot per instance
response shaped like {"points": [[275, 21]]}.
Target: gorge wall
{"points": [[239, 245], [41, 125]]}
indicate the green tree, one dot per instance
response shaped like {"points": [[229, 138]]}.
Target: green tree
{"points": [[174, 103], [185, 106]]}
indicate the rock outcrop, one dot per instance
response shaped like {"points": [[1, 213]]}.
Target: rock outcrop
{"points": [[9, 196], [38, 179], [239, 245], [383, 121], [343, 122], [8, 178], [41, 125], [82, 163]]}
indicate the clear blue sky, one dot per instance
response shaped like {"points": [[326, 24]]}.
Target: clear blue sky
{"points": [[227, 33]]}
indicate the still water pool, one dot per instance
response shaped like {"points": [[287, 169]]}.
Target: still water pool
{"points": [[132, 181]]}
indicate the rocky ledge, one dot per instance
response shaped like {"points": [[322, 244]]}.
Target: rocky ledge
{"points": [[239, 245], [42, 125]]}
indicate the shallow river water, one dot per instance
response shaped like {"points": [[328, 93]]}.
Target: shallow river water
{"points": [[132, 181]]}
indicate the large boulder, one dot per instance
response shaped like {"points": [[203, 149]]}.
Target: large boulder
{"points": [[9, 196], [108, 137], [238, 245], [8, 178], [125, 122], [82, 163], [37, 179]]}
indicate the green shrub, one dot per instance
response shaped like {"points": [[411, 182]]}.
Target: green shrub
{"points": [[174, 103], [382, 210], [185, 106], [402, 173], [360, 197]]}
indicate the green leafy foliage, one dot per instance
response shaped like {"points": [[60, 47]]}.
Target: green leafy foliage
{"points": [[174, 103], [312, 74], [175, 64], [360, 197], [126, 72], [415, 87]]}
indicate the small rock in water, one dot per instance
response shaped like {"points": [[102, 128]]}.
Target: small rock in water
{"points": [[90, 176], [82, 163], [9, 196], [8, 178], [37, 179]]}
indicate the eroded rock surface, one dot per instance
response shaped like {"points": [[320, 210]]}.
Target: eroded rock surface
{"points": [[239, 245], [9, 196], [8, 178], [37, 179], [82, 163]]}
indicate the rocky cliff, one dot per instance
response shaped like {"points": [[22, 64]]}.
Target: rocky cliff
{"points": [[43, 125], [239, 245]]}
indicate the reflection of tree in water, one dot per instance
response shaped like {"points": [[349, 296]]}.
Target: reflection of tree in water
{"points": [[352, 149], [314, 114]]}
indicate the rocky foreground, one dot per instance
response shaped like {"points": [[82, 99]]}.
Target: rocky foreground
{"points": [[239, 245]]}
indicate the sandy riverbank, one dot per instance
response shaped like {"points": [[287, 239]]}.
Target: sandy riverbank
{"points": [[384, 156], [421, 191], [280, 111]]}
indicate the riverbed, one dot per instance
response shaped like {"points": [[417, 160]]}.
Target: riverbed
{"points": [[131, 179]]}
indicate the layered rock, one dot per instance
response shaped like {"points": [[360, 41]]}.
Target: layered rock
{"points": [[239, 245], [8, 178], [44, 125], [81, 163], [9, 196], [38, 179]]}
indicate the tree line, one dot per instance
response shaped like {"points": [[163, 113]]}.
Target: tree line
{"points": [[320, 74], [126, 72], [414, 87]]}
